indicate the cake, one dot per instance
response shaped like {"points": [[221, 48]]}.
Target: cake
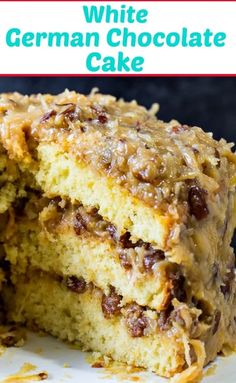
{"points": [[116, 230]]}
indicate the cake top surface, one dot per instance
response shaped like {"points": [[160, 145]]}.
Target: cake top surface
{"points": [[155, 161]]}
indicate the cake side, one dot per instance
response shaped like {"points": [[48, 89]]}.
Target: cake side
{"points": [[214, 301], [176, 170], [135, 186], [67, 239], [71, 316], [57, 246]]}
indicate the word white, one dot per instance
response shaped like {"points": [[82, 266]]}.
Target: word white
{"points": [[102, 13]]}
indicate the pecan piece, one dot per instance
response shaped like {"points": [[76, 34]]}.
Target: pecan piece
{"points": [[101, 114], [197, 202], [136, 321], [43, 375], [79, 223], [47, 116], [112, 231], [77, 285], [71, 113], [177, 285], [102, 118], [99, 364], [124, 260], [175, 288], [165, 318], [111, 304], [126, 242], [151, 257], [180, 128], [227, 281]]}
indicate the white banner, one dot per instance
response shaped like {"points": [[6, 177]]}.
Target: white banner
{"points": [[156, 37]]}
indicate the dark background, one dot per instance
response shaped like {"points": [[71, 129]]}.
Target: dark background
{"points": [[206, 102]]}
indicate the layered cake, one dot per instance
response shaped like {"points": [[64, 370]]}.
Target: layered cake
{"points": [[116, 230]]}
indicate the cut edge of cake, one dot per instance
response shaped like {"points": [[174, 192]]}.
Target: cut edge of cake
{"points": [[178, 230]]}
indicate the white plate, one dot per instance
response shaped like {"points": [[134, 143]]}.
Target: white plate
{"points": [[65, 364]]}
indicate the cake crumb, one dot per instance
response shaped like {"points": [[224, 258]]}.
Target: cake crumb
{"points": [[21, 376], [11, 336], [210, 370], [74, 346], [111, 369], [39, 351]]}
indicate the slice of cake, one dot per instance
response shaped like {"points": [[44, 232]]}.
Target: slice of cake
{"points": [[121, 239]]}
